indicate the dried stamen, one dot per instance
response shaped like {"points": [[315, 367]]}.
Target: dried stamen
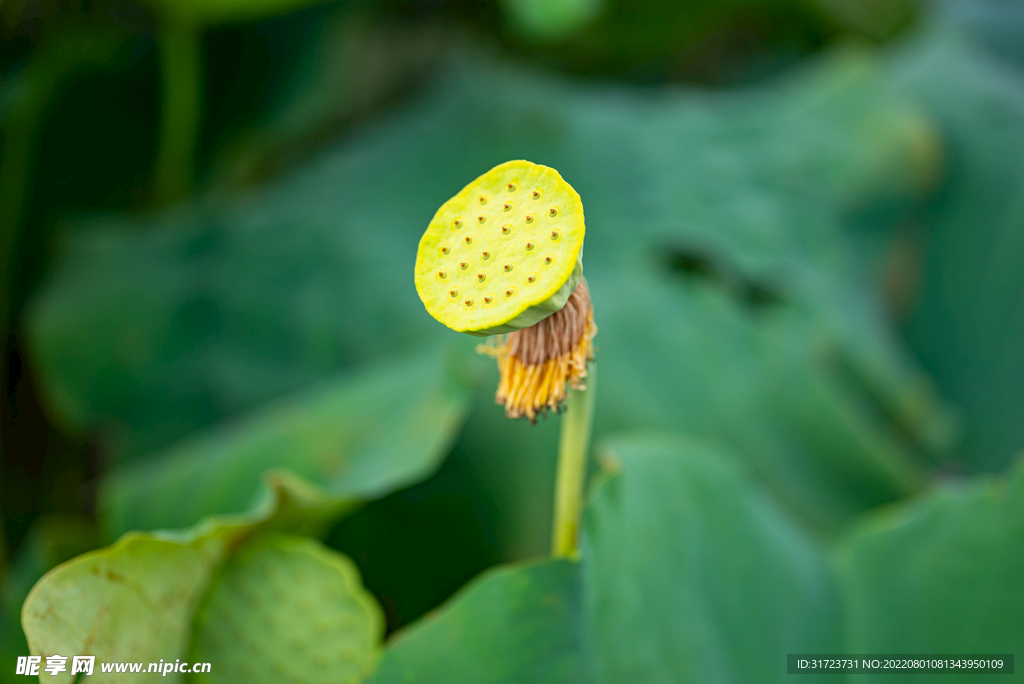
{"points": [[537, 362]]}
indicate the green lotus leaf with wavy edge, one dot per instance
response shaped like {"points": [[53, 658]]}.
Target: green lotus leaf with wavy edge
{"points": [[135, 601], [690, 574]]}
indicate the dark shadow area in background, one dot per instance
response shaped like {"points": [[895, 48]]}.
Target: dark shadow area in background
{"points": [[416, 547], [79, 173]]}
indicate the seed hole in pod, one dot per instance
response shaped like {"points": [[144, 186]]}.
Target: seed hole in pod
{"points": [[529, 246], [468, 240], [442, 274], [552, 212], [445, 249], [507, 268], [481, 277], [463, 265], [469, 302], [482, 200], [506, 229], [506, 206], [485, 255], [548, 260], [454, 292], [529, 218], [481, 218], [555, 235], [488, 299], [511, 187], [510, 291], [457, 223], [536, 194], [531, 278]]}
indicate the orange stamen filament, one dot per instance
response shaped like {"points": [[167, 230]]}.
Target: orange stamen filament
{"points": [[536, 363]]}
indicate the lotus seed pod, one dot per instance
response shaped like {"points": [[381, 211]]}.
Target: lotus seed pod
{"points": [[509, 245], [287, 609]]}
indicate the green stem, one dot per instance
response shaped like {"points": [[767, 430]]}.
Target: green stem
{"points": [[573, 445], [179, 110]]}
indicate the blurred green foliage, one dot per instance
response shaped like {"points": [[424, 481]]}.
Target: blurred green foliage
{"points": [[253, 606], [805, 224], [689, 574], [337, 436], [968, 317], [137, 598]]}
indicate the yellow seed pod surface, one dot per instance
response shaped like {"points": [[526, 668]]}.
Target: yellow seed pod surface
{"points": [[503, 253]]}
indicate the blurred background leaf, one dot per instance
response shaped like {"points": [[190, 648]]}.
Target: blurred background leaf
{"points": [[689, 573], [898, 569], [966, 318], [680, 619], [685, 575], [138, 597], [52, 540], [939, 575], [12, 645], [358, 438], [134, 600], [551, 21], [287, 594], [511, 625], [995, 24]]}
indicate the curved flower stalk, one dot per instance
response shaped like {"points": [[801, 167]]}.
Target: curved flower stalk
{"points": [[504, 257]]}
